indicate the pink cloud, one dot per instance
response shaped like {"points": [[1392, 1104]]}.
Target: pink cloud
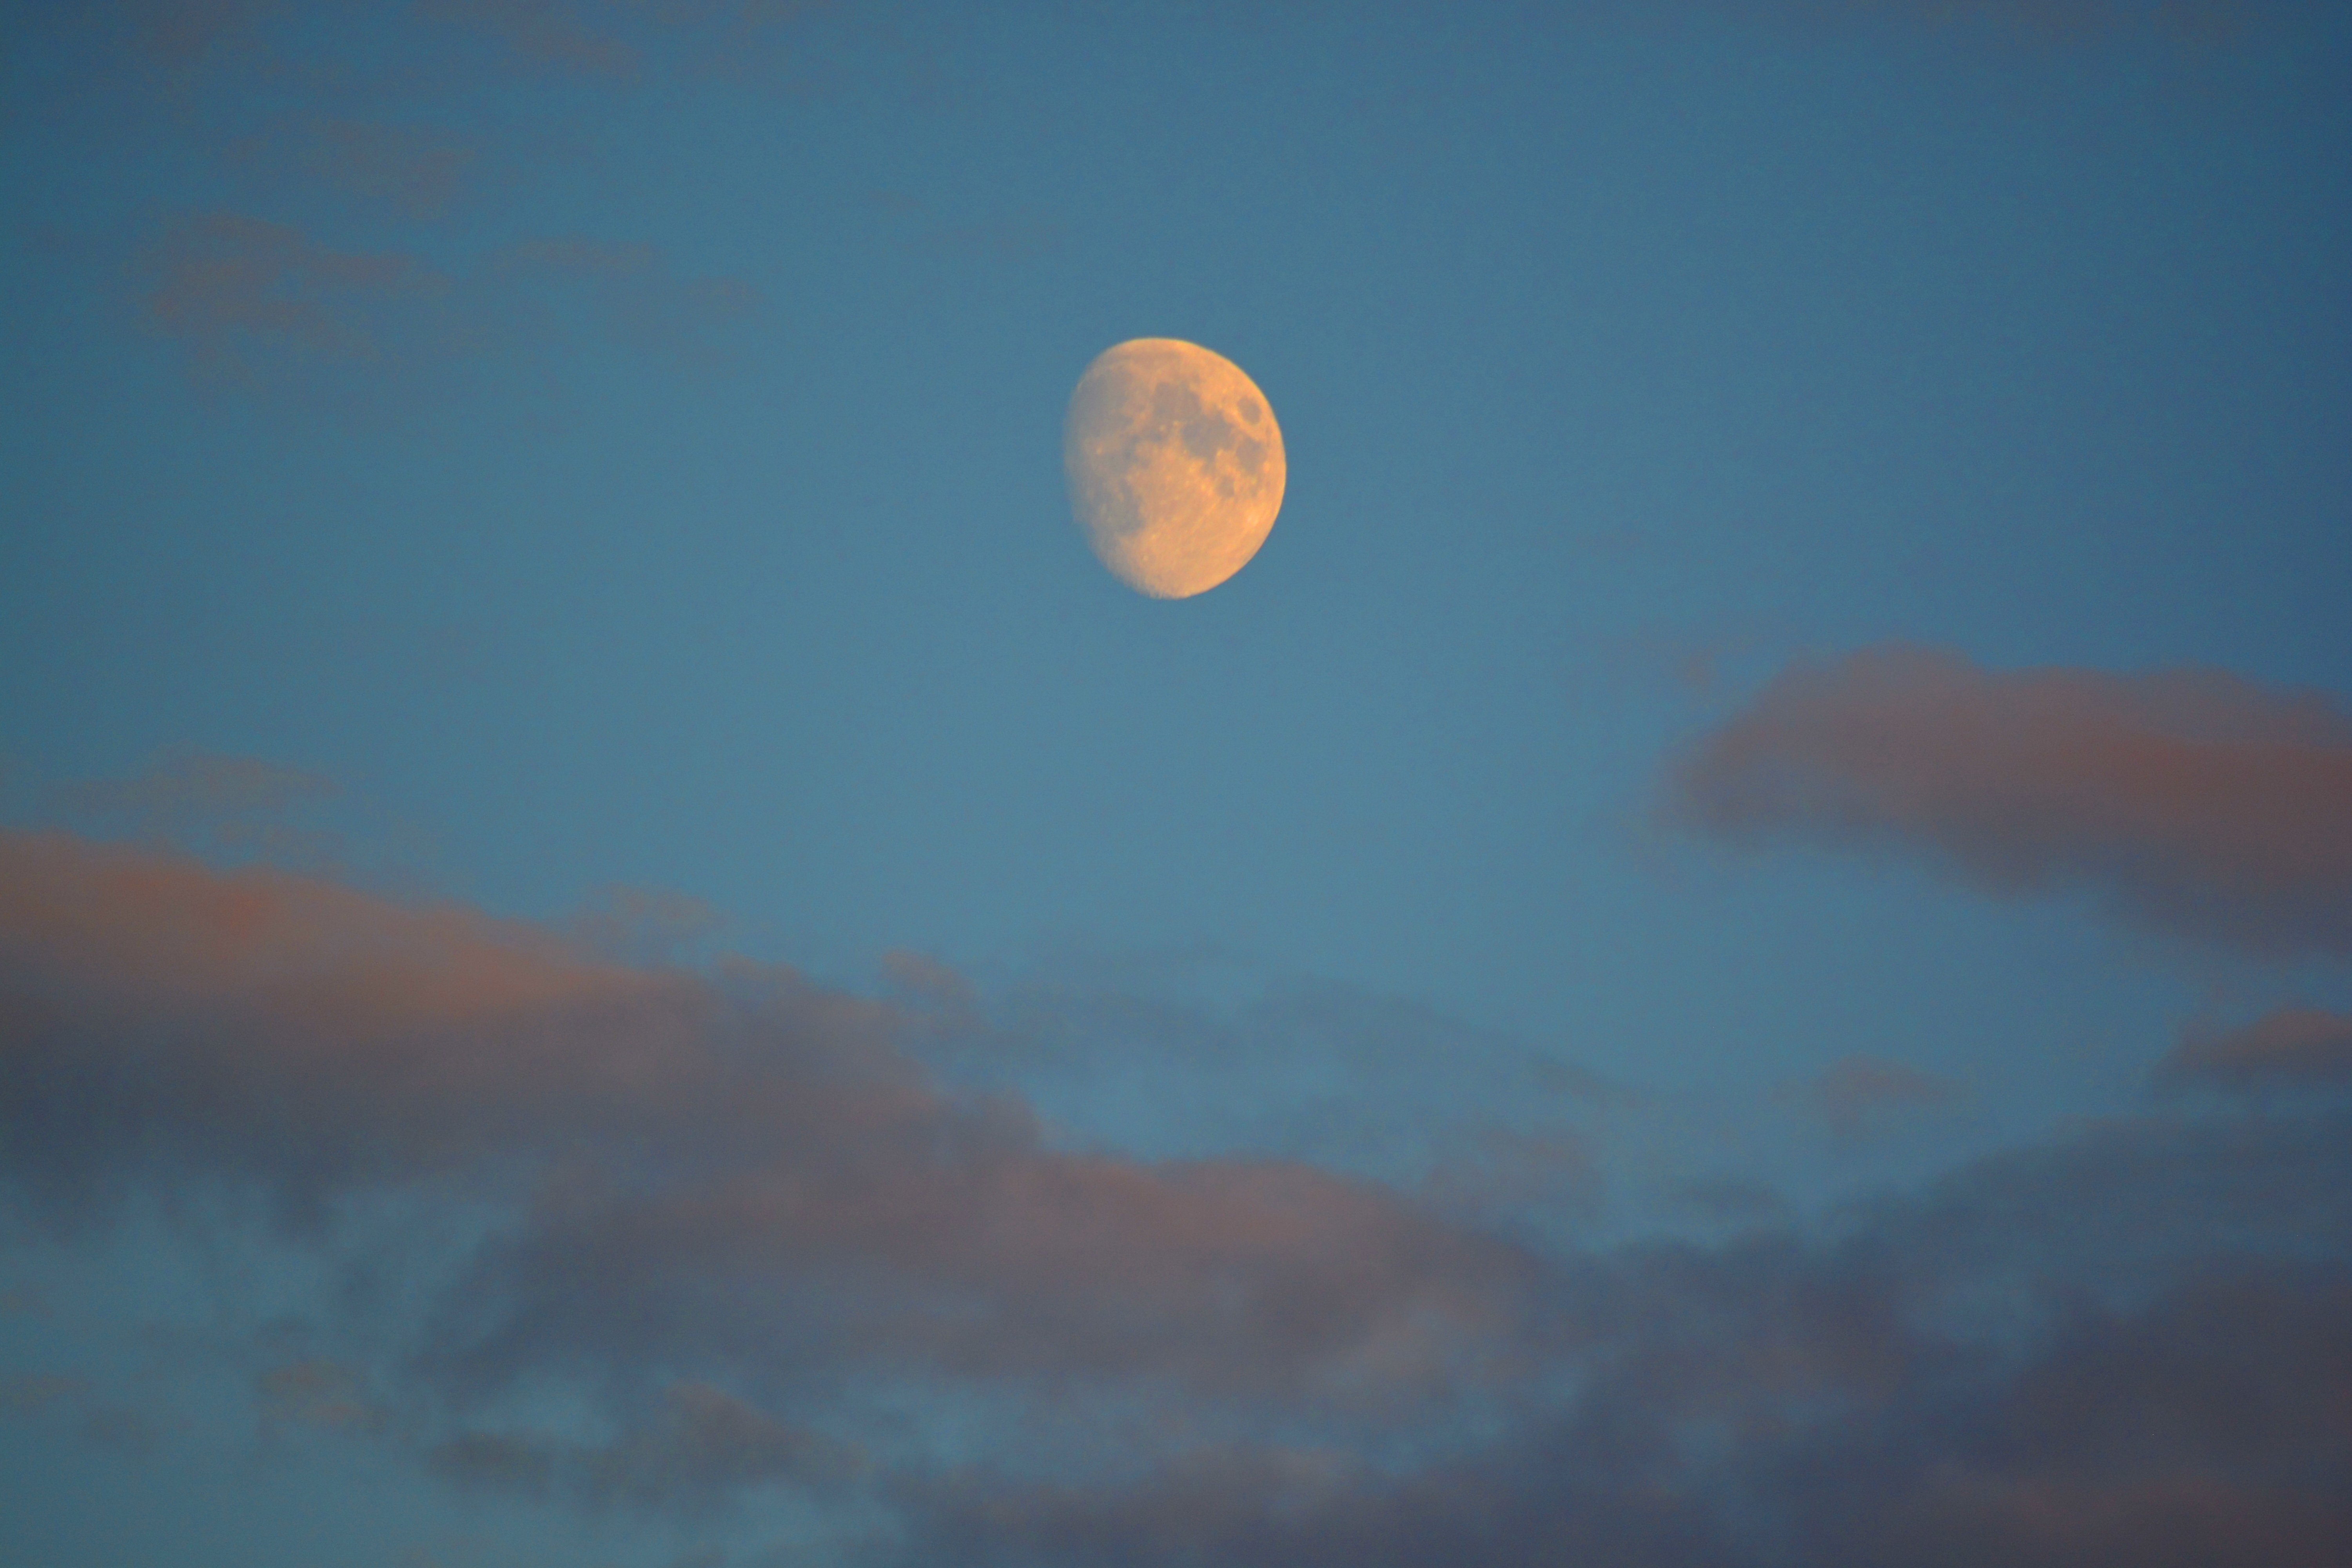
{"points": [[139, 934], [2193, 801]]}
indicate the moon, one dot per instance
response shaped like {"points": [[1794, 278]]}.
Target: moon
{"points": [[1175, 465]]}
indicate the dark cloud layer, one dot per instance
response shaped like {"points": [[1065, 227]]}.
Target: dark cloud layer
{"points": [[2192, 800], [720, 1208], [1887, 1400]]}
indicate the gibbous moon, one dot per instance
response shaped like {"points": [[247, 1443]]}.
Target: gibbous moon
{"points": [[1175, 465]]}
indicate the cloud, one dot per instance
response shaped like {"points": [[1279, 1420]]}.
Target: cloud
{"points": [[263, 308], [576, 35], [1501, 1169], [708, 1234], [1860, 1097], [234, 806], [417, 173], [630, 291], [740, 1169], [29, 1393], [644, 926], [619, 41], [2172, 1436], [316, 1393], [192, 787], [1227, 1055], [1877, 1401], [2049, 21], [39, 1395], [996, 1260], [165, 1017], [2191, 801], [186, 30], [701, 1449], [930, 984], [2293, 1047], [1731, 1201], [2112, 1211]]}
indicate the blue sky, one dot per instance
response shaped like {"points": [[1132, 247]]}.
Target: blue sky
{"points": [[1798, 693]]}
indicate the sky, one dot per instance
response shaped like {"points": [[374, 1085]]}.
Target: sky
{"points": [[1733, 949]]}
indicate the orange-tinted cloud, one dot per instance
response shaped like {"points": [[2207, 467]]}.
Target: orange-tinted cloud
{"points": [[2192, 800], [749, 1168], [147, 936], [724, 1205]]}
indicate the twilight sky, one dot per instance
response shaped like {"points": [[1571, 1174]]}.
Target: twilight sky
{"points": [[1733, 950]]}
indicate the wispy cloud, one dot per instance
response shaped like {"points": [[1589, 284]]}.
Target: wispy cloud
{"points": [[263, 308], [2291, 1048], [417, 173], [577, 35], [185, 30], [2048, 21], [619, 41], [697, 1449], [235, 805], [316, 1393], [1862, 1097]]}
